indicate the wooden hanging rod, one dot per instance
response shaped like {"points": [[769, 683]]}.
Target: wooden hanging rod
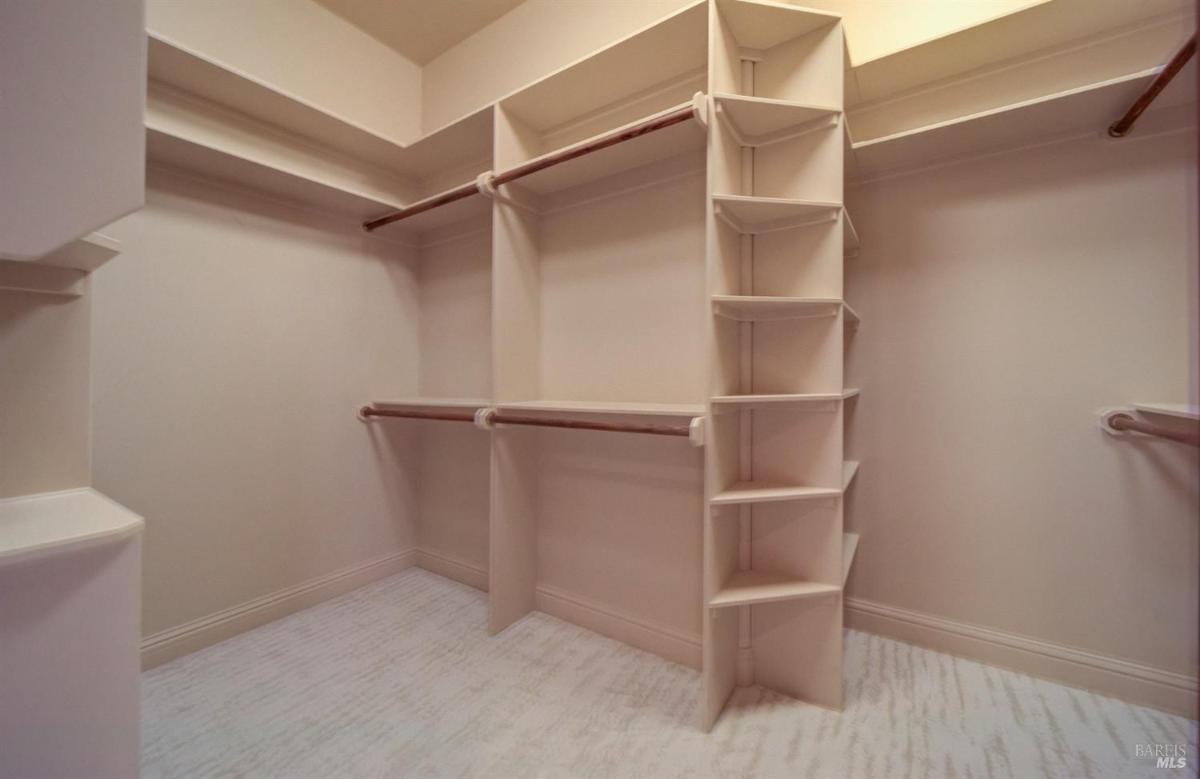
{"points": [[1127, 423], [497, 418], [603, 142], [421, 206], [504, 177], [1122, 126]]}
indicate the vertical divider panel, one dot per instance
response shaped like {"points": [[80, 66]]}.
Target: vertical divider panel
{"points": [[721, 538], [516, 360]]}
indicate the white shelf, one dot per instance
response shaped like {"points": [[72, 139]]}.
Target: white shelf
{"points": [[759, 121], [777, 400], [57, 522], [1083, 109], [850, 392], [639, 152], [165, 147], [756, 24], [751, 215], [849, 547], [769, 492], [748, 587], [86, 254], [34, 277], [849, 471], [646, 62], [752, 308], [464, 141], [469, 404], [1177, 410], [607, 407]]}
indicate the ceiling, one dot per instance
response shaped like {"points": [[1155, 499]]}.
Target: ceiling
{"points": [[420, 29]]}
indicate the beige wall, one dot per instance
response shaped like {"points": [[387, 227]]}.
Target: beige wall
{"points": [[43, 393], [233, 341], [1004, 301], [302, 48]]}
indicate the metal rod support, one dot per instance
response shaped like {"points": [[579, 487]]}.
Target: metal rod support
{"points": [[1122, 126], [1127, 423]]}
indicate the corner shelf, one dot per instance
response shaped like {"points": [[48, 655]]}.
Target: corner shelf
{"points": [[745, 492], [849, 471], [754, 308], [1176, 410], [52, 523], [761, 121], [745, 588], [756, 24], [849, 547], [752, 215]]}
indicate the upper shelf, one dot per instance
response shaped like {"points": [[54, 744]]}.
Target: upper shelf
{"points": [[760, 24], [751, 215], [759, 121], [620, 77], [467, 139], [1177, 410], [1085, 109], [59, 522]]}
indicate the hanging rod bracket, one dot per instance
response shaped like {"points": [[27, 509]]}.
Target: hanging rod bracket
{"points": [[696, 431], [483, 417], [700, 108]]}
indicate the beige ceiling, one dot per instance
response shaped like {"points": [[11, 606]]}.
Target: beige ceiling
{"points": [[420, 29]]}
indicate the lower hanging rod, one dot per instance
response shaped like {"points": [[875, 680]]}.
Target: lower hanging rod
{"points": [[490, 417], [488, 180]]}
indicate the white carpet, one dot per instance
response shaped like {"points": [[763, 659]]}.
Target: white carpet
{"points": [[400, 679]]}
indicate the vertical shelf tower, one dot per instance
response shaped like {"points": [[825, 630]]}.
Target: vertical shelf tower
{"points": [[773, 543]]}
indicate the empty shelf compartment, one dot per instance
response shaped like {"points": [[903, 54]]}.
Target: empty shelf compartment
{"points": [[749, 587], [759, 121], [754, 308], [751, 215], [769, 492]]}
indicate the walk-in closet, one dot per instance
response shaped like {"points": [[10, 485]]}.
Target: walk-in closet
{"points": [[607, 388]]}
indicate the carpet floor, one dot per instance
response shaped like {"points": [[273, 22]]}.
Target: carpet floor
{"points": [[400, 679]]}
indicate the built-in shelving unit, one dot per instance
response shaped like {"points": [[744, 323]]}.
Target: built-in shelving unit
{"points": [[777, 236]]}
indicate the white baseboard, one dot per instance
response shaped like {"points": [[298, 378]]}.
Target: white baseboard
{"points": [[665, 642], [462, 571], [657, 639], [214, 628], [1133, 682]]}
